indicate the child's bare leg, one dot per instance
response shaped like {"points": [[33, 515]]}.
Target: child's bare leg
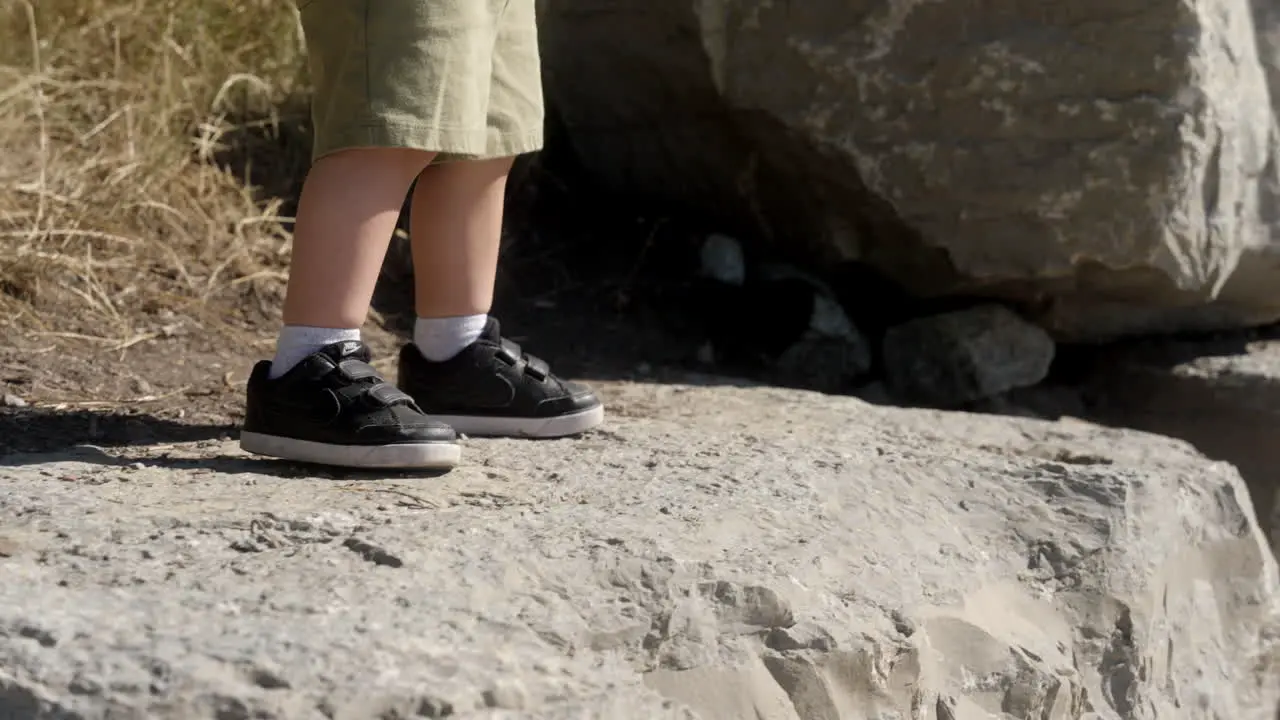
{"points": [[456, 227], [319, 400], [348, 210], [459, 368]]}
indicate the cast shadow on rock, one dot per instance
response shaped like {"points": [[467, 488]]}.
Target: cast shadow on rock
{"points": [[31, 436], [227, 464], [27, 432]]}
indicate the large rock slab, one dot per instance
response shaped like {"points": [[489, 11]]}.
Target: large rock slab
{"points": [[1110, 164], [718, 552]]}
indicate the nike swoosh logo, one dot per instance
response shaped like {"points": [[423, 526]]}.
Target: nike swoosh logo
{"points": [[495, 391]]}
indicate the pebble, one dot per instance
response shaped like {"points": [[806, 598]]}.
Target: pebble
{"points": [[13, 401], [722, 259]]}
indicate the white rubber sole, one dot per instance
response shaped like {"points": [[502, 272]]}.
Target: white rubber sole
{"points": [[559, 426], [419, 456]]}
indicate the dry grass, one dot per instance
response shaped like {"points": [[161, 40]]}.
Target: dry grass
{"points": [[147, 154]]}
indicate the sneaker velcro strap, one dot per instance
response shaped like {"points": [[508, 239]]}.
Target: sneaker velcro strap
{"points": [[512, 354], [537, 367], [512, 349], [353, 369], [387, 395], [314, 367]]}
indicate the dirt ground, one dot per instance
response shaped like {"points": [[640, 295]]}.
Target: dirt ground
{"points": [[64, 391]]}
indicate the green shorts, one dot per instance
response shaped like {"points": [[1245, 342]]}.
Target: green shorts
{"points": [[458, 77]]}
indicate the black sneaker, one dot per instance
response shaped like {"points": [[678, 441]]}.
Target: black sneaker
{"points": [[334, 408], [493, 389]]}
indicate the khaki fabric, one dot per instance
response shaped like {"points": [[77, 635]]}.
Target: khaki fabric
{"points": [[457, 77]]}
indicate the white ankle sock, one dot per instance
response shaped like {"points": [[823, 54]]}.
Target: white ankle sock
{"points": [[439, 339], [296, 342]]}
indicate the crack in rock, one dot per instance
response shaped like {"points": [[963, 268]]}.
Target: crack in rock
{"points": [[372, 553]]}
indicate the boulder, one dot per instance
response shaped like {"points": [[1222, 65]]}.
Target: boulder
{"points": [[720, 552], [1109, 165]]}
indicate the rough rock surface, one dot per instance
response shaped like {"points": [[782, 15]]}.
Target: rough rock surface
{"points": [[949, 359], [1112, 163], [721, 552], [1222, 395]]}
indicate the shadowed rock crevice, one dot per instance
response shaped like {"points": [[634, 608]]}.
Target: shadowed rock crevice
{"points": [[1220, 394]]}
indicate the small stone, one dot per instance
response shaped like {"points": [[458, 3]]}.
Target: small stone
{"points": [[954, 358], [13, 401], [830, 320], [722, 259]]}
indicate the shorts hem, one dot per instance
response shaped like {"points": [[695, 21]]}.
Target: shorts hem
{"points": [[447, 143]]}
